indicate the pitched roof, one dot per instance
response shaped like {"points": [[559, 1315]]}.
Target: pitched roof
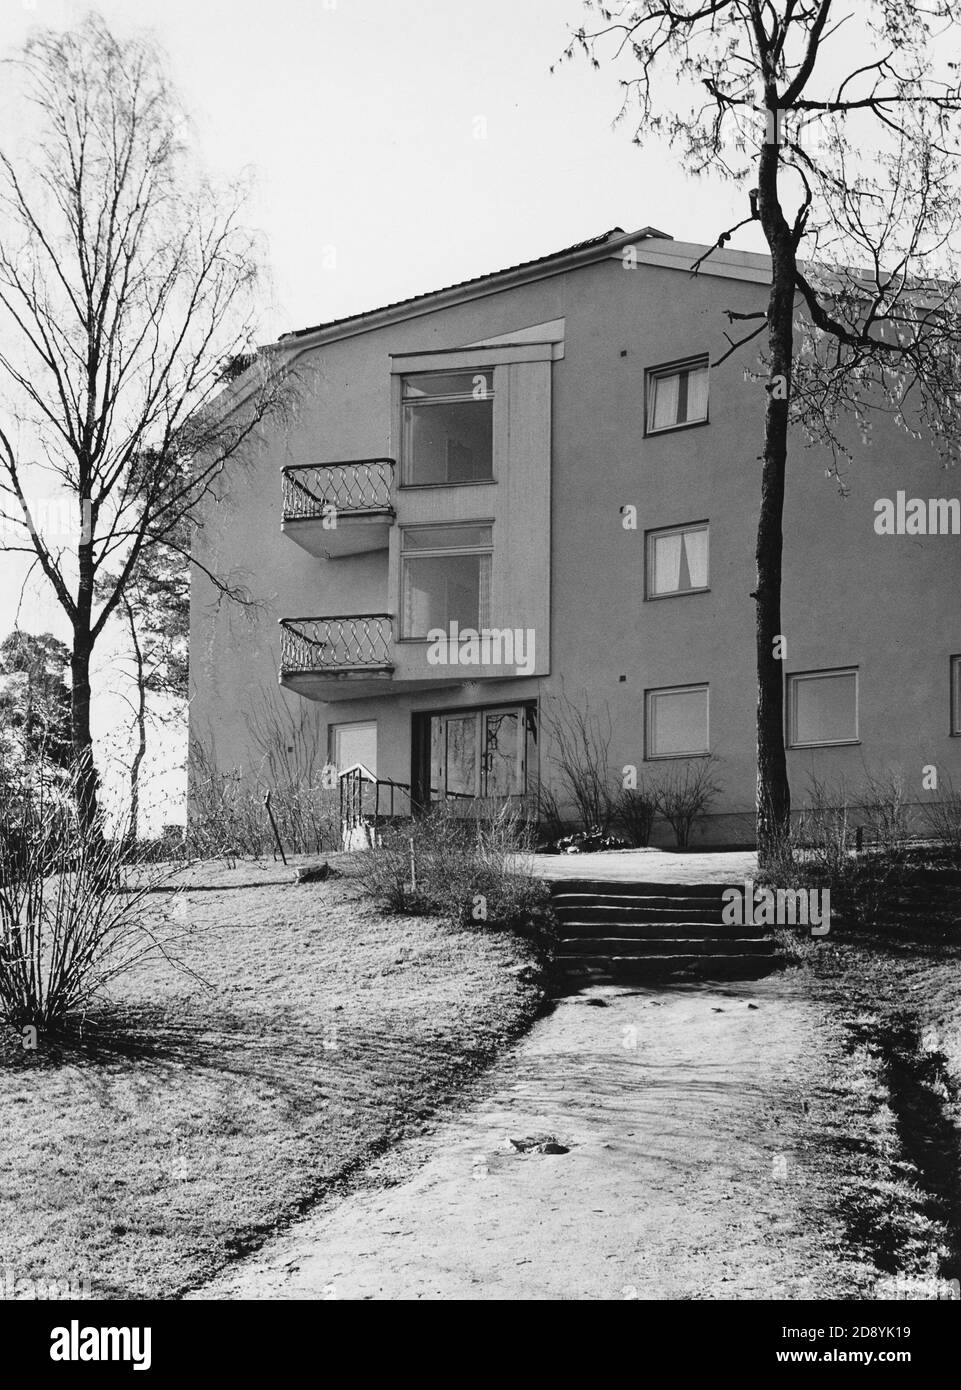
{"points": [[615, 234]]}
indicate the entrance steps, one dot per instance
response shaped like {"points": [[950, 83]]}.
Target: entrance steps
{"points": [[612, 931]]}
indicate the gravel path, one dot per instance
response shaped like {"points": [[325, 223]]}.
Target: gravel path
{"points": [[684, 1114]]}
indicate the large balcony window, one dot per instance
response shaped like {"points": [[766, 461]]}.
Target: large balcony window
{"points": [[448, 432], [445, 578]]}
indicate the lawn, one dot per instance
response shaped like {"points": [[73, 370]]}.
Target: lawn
{"points": [[208, 1106], [888, 1129]]}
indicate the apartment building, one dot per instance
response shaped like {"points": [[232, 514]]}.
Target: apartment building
{"points": [[533, 490]]}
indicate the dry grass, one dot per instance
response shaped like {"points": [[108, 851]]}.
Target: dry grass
{"points": [[201, 1112], [895, 1114]]}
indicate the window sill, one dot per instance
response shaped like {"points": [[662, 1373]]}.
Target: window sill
{"points": [[673, 757], [421, 487], [833, 743], [677, 593], [673, 429]]}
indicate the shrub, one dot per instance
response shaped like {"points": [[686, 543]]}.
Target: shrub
{"points": [[71, 911], [943, 819], [228, 818], [821, 847], [463, 870], [634, 812], [684, 792], [580, 743]]}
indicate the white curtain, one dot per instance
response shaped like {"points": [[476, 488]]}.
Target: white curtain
{"points": [[667, 563], [417, 600], [695, 551], [697, 394], [663, 402], [484, 592]]}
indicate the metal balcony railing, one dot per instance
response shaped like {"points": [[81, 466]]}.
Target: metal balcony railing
{"points": [[352, 643], [362, 486]]}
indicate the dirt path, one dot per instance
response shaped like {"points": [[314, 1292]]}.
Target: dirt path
{"points": [[687, 1116]]}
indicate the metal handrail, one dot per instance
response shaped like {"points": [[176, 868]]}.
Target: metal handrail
{"points": [[354, 641], [354, 485]]}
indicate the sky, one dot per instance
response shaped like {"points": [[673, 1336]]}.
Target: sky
{"points": [[394, 146]]}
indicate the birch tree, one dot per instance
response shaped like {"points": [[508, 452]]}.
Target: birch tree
{"points": [[127, 286]]}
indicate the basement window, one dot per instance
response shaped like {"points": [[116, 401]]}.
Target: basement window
{"points": [[822, 708], [677, 395], [677, 721]]}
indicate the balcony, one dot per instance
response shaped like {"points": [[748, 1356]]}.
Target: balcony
{"points": [[337, 658], [337, 509], [354, 658]]}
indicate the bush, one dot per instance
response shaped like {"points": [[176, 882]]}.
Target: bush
{"points": [[457, 869], [634, 812], [821, 847], [71, 917], [580, 743], [228, 818], [943, 819], [683, 793]]}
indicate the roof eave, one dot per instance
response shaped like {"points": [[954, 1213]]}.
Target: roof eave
{"points": [[461, 294]]}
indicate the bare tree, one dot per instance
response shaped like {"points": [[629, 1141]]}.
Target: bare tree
{"points": [[126, 294], [155, 608], [844, 118]]}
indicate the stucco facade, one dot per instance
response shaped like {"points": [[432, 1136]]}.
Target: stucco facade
{"points": [[569, 348]]}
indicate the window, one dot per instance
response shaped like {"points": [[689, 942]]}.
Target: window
{"points": [[677, 395], [956, 695], [481, 753], [822, 708], [677, 560], [448, 428], [677, 721], [445, 577], [353, 743]]}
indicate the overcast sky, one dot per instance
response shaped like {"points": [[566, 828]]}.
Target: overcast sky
{"points": [[395, 146]]}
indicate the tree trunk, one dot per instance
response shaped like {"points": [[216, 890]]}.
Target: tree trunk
{"points": [[85, 768], [773, 791], [133, 826]]}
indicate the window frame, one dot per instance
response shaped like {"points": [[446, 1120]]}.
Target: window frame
{"points": [[649, 756], [529, 729], [334, 728], [458, 397], [675, 368], [790, 706], [649, 595], [441, 552]]}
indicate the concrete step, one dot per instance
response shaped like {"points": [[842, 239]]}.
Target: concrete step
{"points": [[616, 888], [603, 969], [666, 931], [637, 909], [612, 946]]}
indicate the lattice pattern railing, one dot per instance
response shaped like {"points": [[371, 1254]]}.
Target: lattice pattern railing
{"points": [[349, 487], [336, 644]]}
